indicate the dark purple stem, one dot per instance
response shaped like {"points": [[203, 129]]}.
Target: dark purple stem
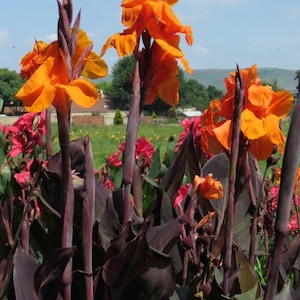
{"points": [[67, 195], [288, 175], [131, 136], [48, 134], [238, 106], [88, 217]]}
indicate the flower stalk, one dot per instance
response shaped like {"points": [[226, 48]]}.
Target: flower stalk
{"points": [[288, 175], [238, 106], [131, 136]]}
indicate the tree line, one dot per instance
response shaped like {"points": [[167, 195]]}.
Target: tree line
{"points": [[192, 93]]}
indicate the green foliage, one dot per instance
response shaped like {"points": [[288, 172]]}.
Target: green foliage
{"points": [[154, 115], [105, 86], [192, 93], [106, 139], [172, 113], [273, 83], [118, 119], [10, 83], [121, 86]]}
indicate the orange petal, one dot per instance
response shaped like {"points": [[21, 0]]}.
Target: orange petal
{"points": [[41, 101], [261, 148], [281, 104], [251, 126], [33, 87], [273, 132], [260, 95], [223, 133], [95, 67], [82, 92], [124, 43]]}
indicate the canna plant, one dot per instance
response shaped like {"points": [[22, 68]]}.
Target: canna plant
{"points": [[203, 223]]}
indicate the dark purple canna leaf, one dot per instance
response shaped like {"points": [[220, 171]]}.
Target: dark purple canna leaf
{"points": [[218, 165], [6, 265], [48, 277], [157, 283], [138, 271], [25, 267], [164, 237]]}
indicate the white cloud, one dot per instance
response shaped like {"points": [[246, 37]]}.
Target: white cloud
{"points": [[51, 37], [200, 50], [4, 37], [218, 1]]}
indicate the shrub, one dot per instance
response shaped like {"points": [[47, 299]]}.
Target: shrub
{"points": [[118, 119]]}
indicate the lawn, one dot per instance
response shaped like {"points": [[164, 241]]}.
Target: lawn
{"points": [[106, 139]]}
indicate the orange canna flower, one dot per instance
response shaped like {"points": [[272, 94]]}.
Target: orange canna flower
{"points": [[164, 77], [30, 62], [208, 187], [49, 78], [260, 120], [50, 84], [216, 138], [156, 25]]}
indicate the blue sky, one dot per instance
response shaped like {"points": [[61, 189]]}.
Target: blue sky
{"points": [[226, 32]]}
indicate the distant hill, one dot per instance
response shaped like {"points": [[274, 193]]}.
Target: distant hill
{"points": [[285, 78]]}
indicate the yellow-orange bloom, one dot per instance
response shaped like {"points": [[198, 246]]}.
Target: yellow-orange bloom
{"points": [[50, 84], [154, 23], [31, 61], [261, 118], [49, 80], [208, 187], [158, 19], [164, 77], [263, 110]]}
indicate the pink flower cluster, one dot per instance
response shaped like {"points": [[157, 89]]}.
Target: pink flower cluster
{"points": [[143, 154], [271, 207], [193, 124], [20, 139], [24, 134]]}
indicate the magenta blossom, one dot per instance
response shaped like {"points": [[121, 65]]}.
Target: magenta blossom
{"points": [[26, 133], [181, 194], [193, 124], [143, 154], [23, 177]]}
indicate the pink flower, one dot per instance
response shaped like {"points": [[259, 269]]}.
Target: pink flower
{"points": [[293, 224], [114, 159], [193, 124], [143, 154], [25, 133], [24, 177], [181, 194], [272, 203]]}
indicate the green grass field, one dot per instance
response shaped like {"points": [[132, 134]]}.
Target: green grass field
{"points": [[106, 139]]}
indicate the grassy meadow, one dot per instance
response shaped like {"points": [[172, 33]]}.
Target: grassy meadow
{"points": [[106, 139]]}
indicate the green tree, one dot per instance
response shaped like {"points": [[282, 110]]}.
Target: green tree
{"points": [[194, 94], [214, 93], [104, 86], [118, 118], [273, 83], [10, 83], [121, 86]]}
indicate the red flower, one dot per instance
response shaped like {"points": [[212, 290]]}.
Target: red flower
{"points": [[193, 124], [25, 134], [181, 194]]}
